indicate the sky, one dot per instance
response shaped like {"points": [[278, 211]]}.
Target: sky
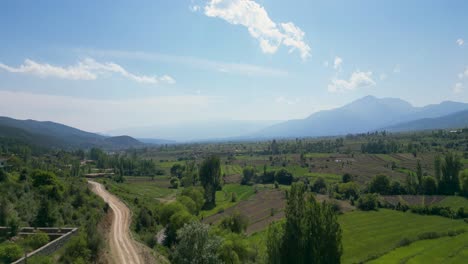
{"points": [[105, 65]]}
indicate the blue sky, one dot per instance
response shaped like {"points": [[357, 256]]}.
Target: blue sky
{"points": [[103, 65]]}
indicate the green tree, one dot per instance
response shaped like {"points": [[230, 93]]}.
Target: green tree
{"points": [[248, 174], [451, 167], [437, 167], [283, 176], [419, 175], [177, 170], [210, 177], [10, 252], [196, 245], [464, 183], [236, 223], [368, 201], [429, 185], [310, 234], [380, 184]]}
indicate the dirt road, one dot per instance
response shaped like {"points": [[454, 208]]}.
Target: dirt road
{"points": [[122, 247]]}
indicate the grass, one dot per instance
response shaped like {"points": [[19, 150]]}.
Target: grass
{"points": [[231, 169], [442, 250], [454, 202], [145, 191], [368, 234], [317, 155], [223, 197], [387, 158], [329, 177]]}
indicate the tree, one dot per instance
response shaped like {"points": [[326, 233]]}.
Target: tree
{"points": [[464, 183], [347, 178], [437, 167], [310, 234], [196, 245], [175, 182], [368, 201], [236, 223], [319, 185], [45, 216], [283, 176], [210, 177], [451, 166], [177, 170], [380, 184], [196, 194], [3, 175], [248, 174], [429, 185], [419, 175]]}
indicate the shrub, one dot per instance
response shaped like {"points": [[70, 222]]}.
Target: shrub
{"points": [[380, 184], [283, 176], [10, 252], [319, 185], [368, 202], [236, 223], [175, 182], [37, 240]]}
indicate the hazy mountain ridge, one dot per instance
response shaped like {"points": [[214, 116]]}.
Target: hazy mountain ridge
{"points": [[455, 120], [55, 135], [365, 114]]}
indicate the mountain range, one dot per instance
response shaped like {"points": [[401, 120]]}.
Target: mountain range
{"points": [[363, 115], [367, 114], [55, 135]]}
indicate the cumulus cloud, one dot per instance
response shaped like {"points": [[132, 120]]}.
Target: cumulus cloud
{"points": [[254, 17], [87, 69], [357, 80], [337, 63], [460, 42]]}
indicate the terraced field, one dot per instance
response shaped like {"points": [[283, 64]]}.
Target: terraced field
{"points": [[261, 209], [368, 235], [442, 250]]}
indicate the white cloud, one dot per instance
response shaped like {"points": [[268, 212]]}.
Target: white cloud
{"points": [[253, 16], [458, 88], [460, 42], [87, 69], [337, 63], [357, 80], [194, 8]]}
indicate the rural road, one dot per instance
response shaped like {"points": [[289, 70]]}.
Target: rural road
{"points": [[122, 247]]}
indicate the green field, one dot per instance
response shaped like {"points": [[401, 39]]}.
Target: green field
{"points": [[372, 234], [441, 250], [231, 169], [146, 191], [454, 202], [223, 197]]}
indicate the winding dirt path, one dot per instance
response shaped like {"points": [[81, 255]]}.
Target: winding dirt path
{"points": [[122, 247]]}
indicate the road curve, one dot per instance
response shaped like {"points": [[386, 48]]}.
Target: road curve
{"points": [[122, 247]]}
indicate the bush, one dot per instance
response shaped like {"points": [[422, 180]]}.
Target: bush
{"points": [[380, 184], [368, 202], [10, 252], [236, 223], [175, 182], [319, 185], [283, 176], [37, 240], [348, 190]]}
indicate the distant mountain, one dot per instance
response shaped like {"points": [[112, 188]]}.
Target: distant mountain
{"points": [[366, 114], [194, 131], [55, 135], [456, 120]]}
